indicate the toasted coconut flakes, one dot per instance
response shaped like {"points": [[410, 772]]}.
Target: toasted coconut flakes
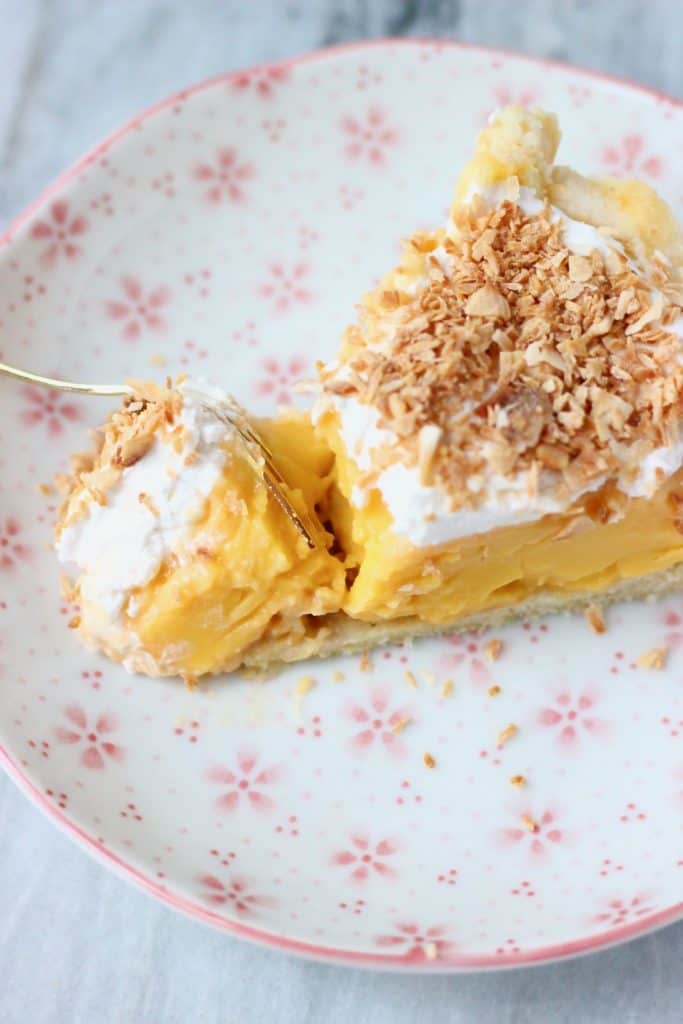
{"points": [[655, 658], [364, 664], [304, 685], [391, 299], [652, 313], [529, 360], [145, 500], [580, 268], [487, 301], [131, 450], [427, 443], [596, 619], [74, 622], [552, 456], [493, 691], [98, 496], [428, 760], [46, 489], [493, 649], [150, 412], [518, 780], [410, 679], [529, 823], [338, 677], [508, 732], [447, 688]]}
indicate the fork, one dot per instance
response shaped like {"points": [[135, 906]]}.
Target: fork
{"points": [[263, 464]]}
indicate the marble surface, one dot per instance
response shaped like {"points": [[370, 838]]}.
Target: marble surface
{"points": [[76, 943]]}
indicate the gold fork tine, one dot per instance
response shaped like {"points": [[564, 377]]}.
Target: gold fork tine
{"points": [[103, 390], [266, 469]]}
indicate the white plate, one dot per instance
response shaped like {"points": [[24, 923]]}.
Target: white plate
{"points": [[229, 232]]}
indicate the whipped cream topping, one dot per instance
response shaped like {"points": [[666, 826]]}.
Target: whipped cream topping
{"points": [[579, 237], [422, 513], [121, 545]]}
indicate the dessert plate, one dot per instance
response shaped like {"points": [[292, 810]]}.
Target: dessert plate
{"points": [[365, 814]]}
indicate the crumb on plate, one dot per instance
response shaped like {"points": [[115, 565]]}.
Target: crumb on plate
{"points": [[596, 619], [508, 732], [654, 658], [304, 685], [493, 649]]}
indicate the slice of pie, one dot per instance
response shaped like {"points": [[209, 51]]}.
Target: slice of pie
{"points": [[185, 561], [498, 437]]}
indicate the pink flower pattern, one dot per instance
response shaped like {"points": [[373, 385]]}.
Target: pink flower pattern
{"points": [[95, 748], [263, 81], [629, 156], [570, 717], [538, 837], [623, 911], [50, 408], [60, 231], [506, 95], [84, 740], [414, 943], [465, 650], [377, 724], [233, 894], [138, 310], [369, 138], [12, 549], [284, 288], [366, 858], [674, 622], [279, 377], [224, 178], [245, 784]]}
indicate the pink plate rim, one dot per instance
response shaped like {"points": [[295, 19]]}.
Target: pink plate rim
{"points": [[543, 954]]}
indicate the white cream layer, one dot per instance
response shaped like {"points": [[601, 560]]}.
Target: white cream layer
{"points": [[422, 513], [121, 545]]}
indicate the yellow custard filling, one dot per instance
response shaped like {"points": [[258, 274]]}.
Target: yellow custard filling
{"points": [[248, 572], [569, 553]]}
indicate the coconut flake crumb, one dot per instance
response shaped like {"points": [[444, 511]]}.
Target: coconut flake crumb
{"points": [[493, 649], [304, 685], [400, 724], [596, 619], [507, 734], [654, 658]]}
